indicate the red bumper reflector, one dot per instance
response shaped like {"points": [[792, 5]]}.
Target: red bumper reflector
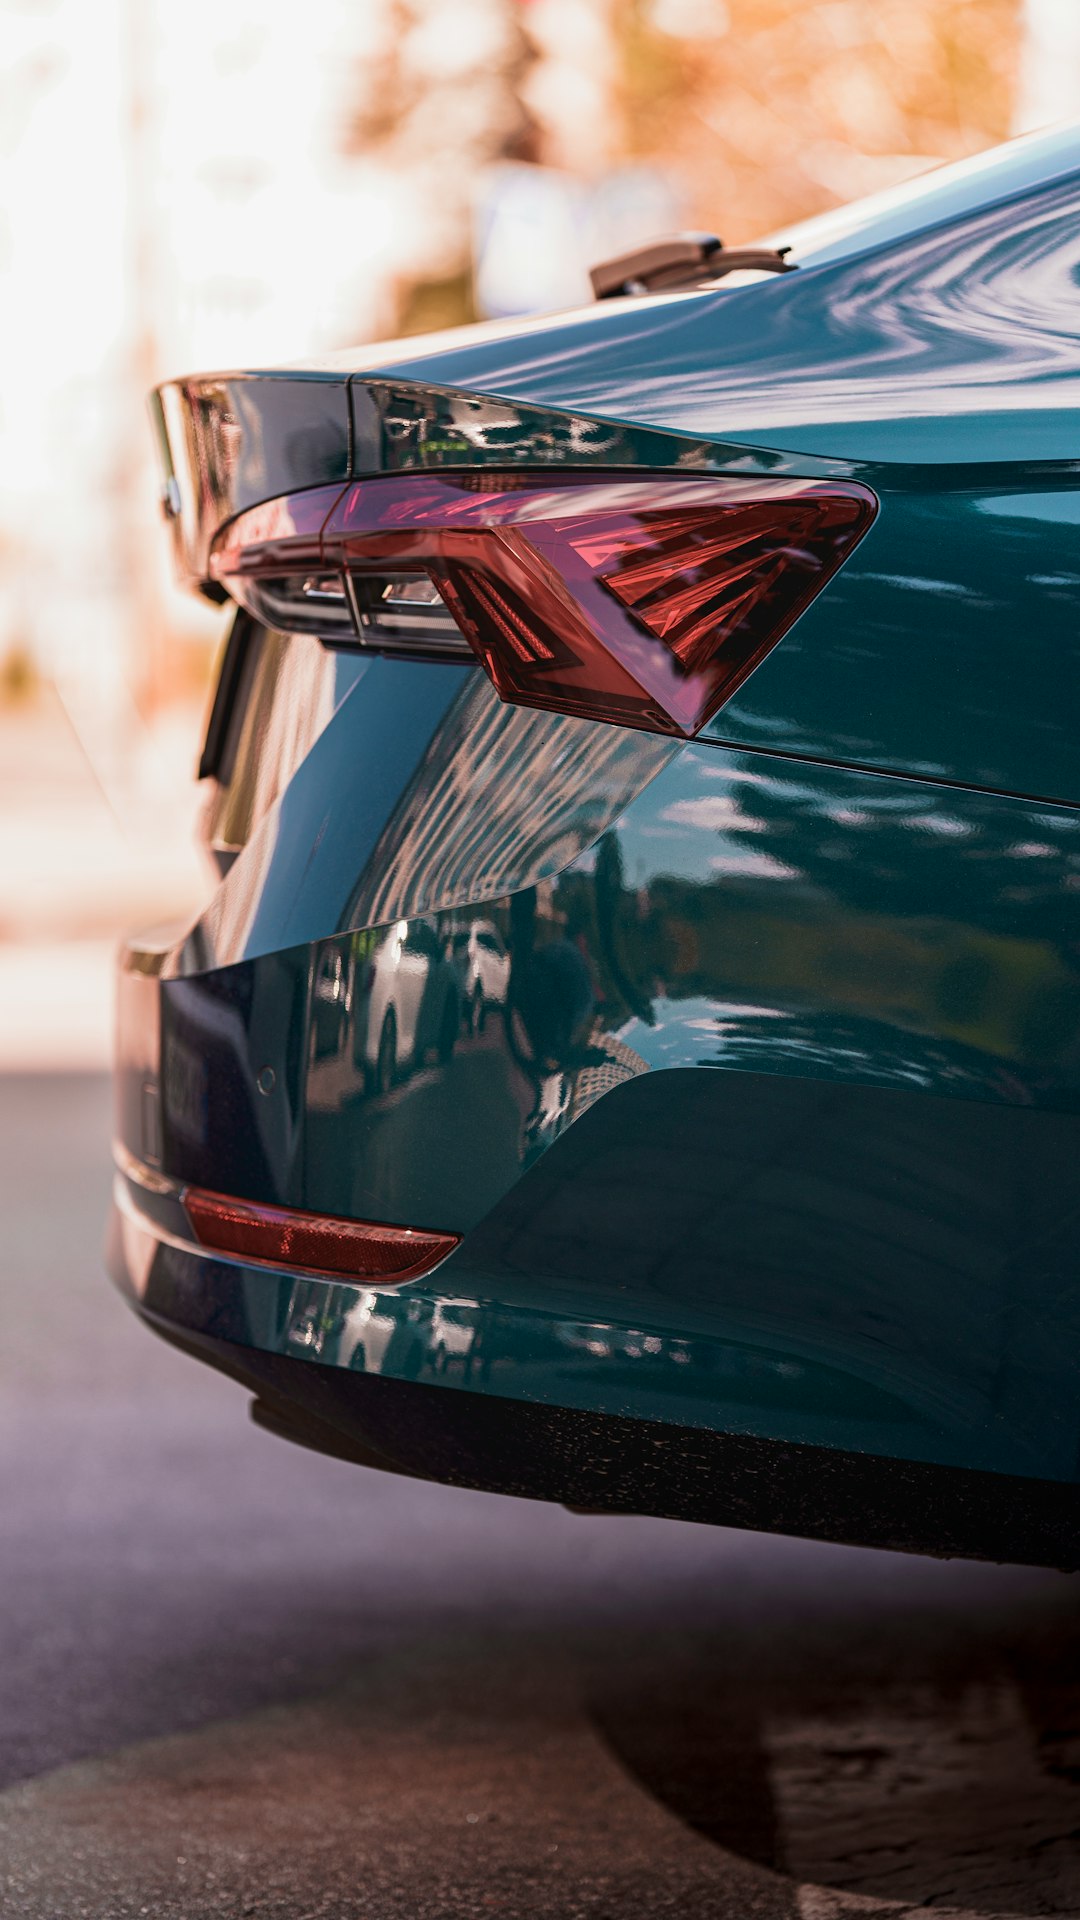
{"points": [[643, 602], [313, 1242]]}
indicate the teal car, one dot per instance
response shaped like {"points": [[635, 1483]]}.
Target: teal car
{"points": [[632, 1054]]}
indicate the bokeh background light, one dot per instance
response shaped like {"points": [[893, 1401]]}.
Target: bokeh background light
{"points": [[226, 183]]}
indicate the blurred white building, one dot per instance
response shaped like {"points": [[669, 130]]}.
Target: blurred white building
{"points": [[1049, 77], [184, 187]]}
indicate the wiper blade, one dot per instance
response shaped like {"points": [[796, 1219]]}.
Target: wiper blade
{"points": [[680, 260]]}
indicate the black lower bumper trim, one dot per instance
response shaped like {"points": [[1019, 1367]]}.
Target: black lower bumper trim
{"points": [[603, 1462]]}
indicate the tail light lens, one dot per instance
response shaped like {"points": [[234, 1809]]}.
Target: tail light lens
{"points": [[313, 1242], [641, 602]]}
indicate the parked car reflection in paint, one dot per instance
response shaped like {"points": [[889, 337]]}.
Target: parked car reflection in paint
{"points": [[409, 1003]]}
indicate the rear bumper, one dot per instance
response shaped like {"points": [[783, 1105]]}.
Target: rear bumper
{"points": [[237, 1319], [617, 1278], [736, 1167]]}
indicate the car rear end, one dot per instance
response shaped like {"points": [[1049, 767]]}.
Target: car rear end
{"points": [[631, 1054]]}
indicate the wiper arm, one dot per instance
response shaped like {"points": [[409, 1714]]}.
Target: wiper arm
{"points": [[679, 261]]}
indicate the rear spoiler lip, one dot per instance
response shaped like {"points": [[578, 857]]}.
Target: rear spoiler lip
{"points": [[227, 442]]}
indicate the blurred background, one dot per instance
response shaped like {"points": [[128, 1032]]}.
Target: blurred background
{"points": [[233, 183]]}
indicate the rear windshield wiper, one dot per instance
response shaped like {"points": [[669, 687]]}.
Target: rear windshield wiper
{"points": [[679, 261]]}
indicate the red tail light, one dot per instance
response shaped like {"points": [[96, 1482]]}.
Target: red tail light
{"points": [[313, 1242], [642, 602]]}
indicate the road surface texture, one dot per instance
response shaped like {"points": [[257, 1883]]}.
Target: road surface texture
{"points": [[236, 1679]]}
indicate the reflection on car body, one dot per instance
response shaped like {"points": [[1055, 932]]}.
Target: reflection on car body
{"points": [[483, 967], [410, 1003], [331, 1003], [365, 1335], [453, 1335]]}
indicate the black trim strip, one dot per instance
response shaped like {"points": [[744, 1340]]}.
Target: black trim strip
{"points": [[215, 761]]}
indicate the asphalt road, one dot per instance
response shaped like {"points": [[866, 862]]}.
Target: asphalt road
{"points": [[236, 1679]]}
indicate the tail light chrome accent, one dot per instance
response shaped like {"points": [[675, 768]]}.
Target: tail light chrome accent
{"points": [[642, 602]]}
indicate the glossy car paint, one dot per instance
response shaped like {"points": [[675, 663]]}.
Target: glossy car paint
{"points": [[773, 1132], [880, 939]]}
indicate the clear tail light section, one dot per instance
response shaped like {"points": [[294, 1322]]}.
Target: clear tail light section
{"points": [[270, 560], [642, 602]]}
